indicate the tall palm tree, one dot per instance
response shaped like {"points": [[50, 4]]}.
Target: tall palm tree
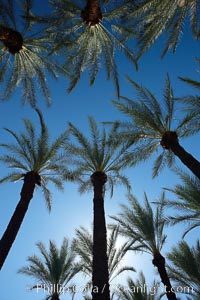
{"points": [[139, 289], [54, 270], [153, 124], [185, 268], [23, 54], [146, 230], [83, 244], [90, 34], [98, 160], [156, 17], [37, 162], [187, 205]]}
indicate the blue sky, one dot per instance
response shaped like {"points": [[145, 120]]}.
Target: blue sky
{"points": [[69, 209]]}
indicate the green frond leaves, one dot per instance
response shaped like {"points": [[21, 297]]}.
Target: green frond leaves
{"points": [[100, 152], [33, 151], [83, 245], [164, 17], [148, 122], [187, 205], [142, 225], [28, 67], [54, 267], [182, 272], [91, 46]]}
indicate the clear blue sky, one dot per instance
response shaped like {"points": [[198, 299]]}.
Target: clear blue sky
{"points": [[69, 209]]}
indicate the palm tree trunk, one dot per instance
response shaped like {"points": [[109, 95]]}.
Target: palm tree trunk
{"points": [[170, 142], [30, 179], [159, 262], [91, 14], [100, 275], [187, 159]]}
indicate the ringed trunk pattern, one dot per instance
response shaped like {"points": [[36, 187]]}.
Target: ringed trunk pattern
{"points": [[170, 142], [11, 39], [91, 14], [100, 275], [159, 262], [30, 180]]}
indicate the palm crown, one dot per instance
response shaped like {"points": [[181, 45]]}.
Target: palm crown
{"points": [[154, 124], [23, 60], [34, 153], [102, 154], [54, 270], [90, 37], [142, 225], [145, 228]]}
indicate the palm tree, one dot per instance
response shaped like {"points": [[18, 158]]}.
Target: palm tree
{"points": [[192, 102], [83, 244], [101, 161], [90, 34], [187, 205], [153, 124], [139, 289], [156, 17], [185, 268], [145, 229], [37, 162], [23, 61], [54, 270]]}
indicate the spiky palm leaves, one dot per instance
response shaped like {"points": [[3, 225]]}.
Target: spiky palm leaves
{"points": [[168, 17], [37, 162], [192, 102], [91, 34], [153, 125], [23, 54], [145, 229], [184, 268], [139, 289], [187, 204], [53, 269], [100, 160], [83, 244]]}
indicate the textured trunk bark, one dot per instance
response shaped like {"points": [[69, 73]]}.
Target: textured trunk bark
{"points": [[55, 296], [187, 159], [159, 262], [170, 142], [30, 179], [11, 39], [100, 275], [91, 14]]}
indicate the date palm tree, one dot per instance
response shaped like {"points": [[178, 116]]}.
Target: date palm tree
{"points": [[145, 228], [36, 161], [98, 161], [184, 268], [90, 34], [187, 204], [23, 54], [153, 125], [83, 245], [192, 102], [53, 269], [157, 17], [139, 289]]}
